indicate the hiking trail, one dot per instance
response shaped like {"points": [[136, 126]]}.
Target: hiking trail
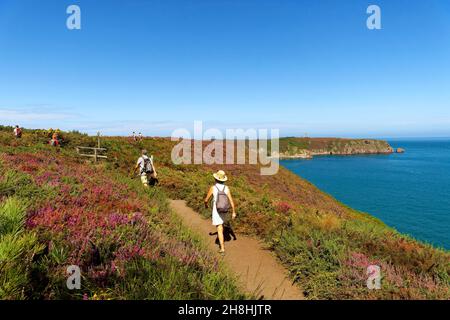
{"points": [[256, 268]]}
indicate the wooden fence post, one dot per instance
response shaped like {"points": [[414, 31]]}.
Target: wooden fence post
{"points": [[97, 153]]}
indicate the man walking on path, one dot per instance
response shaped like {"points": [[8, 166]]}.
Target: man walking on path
{"points": [[146, 168]]}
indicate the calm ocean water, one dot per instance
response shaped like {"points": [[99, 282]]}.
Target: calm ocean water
{"points": [[410, 191]]}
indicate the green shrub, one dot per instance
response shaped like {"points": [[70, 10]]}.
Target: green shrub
{"points": [[15, 183], [12, 216], [17, 249]]}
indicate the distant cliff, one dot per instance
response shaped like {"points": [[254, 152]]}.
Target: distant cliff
{"points": [[309, 147]]}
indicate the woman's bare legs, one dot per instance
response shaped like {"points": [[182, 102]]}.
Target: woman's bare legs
{"points": [[220, 235]]}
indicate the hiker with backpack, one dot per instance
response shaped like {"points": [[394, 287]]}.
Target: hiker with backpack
{"points": [[55, 141], [222, 205], [17, 132], [147, 169]]}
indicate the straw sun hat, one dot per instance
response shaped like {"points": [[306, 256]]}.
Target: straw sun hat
{"points": [[220, 176]]}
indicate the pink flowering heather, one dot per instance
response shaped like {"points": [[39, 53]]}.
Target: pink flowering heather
{"points": [[99, 224], [283, 207]]}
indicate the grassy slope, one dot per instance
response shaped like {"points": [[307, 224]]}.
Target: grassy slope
{"points": [[326, 246], [127, 242]]}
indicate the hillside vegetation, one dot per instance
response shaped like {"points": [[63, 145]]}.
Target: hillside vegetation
{"points": [[58, 210], [326, 246]]}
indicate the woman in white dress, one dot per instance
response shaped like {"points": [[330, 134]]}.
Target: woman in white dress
{"points": [[220, 178]]}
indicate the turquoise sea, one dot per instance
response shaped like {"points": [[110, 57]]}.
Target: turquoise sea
{"points": [[410, 191]]}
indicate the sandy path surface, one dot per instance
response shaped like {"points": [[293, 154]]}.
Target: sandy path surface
{"points": [[257, 269]]}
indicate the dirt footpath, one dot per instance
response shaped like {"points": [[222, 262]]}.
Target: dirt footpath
{"points": [[257, 269]]}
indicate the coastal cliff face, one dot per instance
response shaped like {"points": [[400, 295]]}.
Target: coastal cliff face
{"points": [[306, 148]]}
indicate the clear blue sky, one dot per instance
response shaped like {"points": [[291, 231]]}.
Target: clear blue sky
{"points": [[301, 66]]}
